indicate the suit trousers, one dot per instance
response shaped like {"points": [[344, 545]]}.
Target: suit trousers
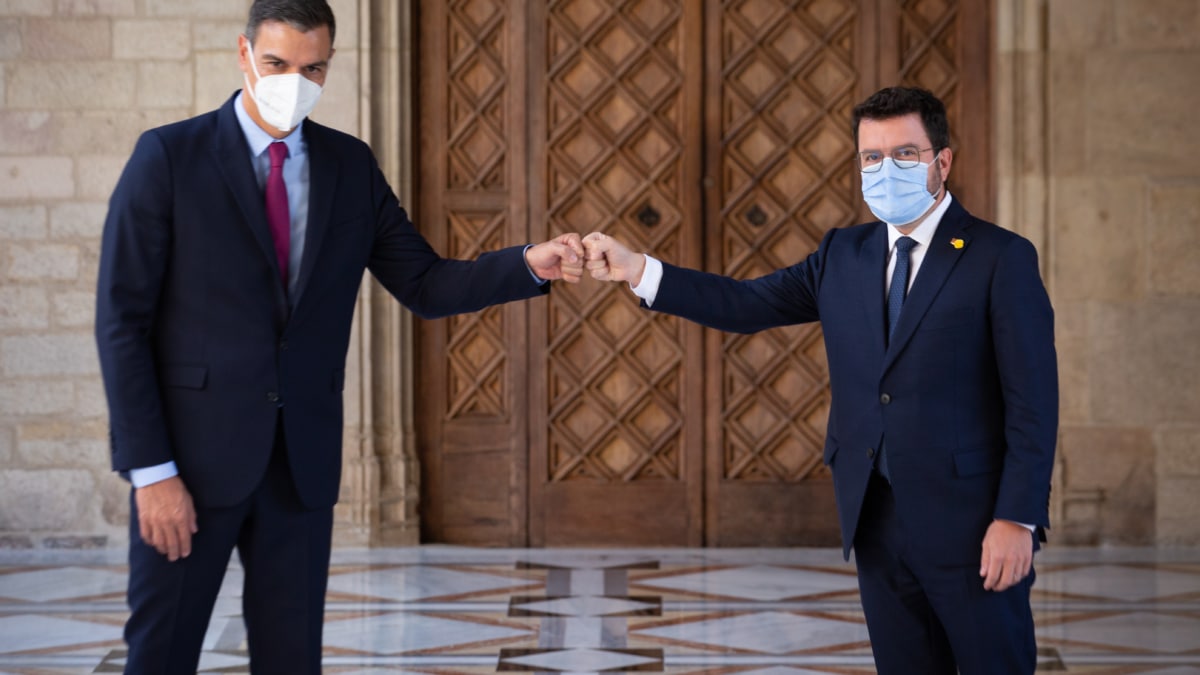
{"points": [[931, 619], [284, 549]]}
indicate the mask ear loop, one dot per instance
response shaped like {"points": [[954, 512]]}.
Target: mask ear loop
{"points": [[254, 67]]}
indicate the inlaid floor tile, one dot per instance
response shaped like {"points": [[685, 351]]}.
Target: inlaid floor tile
{"points": [[398, 633], [443, 610], [60, 584], [1152, 631], [580, 606], [1119, 582], [770, 632], [580, 660], [29, 632], [418, 582], [756, 582]]}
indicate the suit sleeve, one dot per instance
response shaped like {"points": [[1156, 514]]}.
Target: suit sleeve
{"points": [[784, 297], [135, 250], [1023, 334], [432, 286]]}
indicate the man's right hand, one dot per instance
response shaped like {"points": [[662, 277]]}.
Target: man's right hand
{"points": [[609, 260], [166, 517]]}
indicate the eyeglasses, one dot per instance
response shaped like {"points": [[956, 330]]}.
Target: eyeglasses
{"points": [[905, 157]]}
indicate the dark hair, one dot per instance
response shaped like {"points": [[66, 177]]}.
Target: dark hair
{"points": [[899, 101], [303, 15]]}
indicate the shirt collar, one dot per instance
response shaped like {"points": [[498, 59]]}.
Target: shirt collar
{"points": [[924, 232], [259, 139]]}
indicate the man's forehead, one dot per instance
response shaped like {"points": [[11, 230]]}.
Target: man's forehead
{"points": [[896, 131], [280, 33]]}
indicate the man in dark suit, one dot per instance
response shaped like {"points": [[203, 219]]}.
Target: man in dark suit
{"points": [[940, 342], [232, 256]]}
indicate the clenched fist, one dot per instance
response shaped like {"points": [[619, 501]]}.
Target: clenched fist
{"points": [[610, 260], [559, 258]]}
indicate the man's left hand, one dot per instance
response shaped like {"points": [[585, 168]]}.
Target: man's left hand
{"points": [[559, 258], [1007, 555]]}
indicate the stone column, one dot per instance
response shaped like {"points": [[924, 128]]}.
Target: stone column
{"points": [[380, 472]]}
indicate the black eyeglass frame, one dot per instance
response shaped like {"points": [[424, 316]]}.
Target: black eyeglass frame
{"points": [[900, 163]]}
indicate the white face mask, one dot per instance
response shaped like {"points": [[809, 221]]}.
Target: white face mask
{"points": [[283, 100]]}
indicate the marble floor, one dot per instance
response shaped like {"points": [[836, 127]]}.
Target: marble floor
{"points": [[436, 609]]}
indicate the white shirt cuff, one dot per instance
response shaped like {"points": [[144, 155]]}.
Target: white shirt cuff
{"points": [[651, 278], [152, 474]]}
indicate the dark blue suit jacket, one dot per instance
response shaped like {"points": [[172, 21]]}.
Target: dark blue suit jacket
{"points": [[201, 350], [966, 393]]}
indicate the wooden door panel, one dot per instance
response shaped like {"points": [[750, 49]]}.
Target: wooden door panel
{"points": [[711, 134], [945, 46], [615, 457], [785, 79], [470, 411]]}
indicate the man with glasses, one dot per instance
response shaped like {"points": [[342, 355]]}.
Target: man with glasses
{"points": [[940, 341]]}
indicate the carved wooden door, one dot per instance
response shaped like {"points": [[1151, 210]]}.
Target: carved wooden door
{"points": [[616, 436], [711, 134]]}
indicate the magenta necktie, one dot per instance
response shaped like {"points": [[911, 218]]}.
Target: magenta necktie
{"points": [[277, 209]]}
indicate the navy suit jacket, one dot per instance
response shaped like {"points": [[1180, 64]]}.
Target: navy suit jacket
{"points": [[966, 392], [202, 352]]}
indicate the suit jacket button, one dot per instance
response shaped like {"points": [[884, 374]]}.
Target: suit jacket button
{"points": [[283, 345], [273, 397], [885, 399], [870, 453]]}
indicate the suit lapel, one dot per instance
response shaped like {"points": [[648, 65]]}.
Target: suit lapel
{"points": [[233, 158], [872, 259], [323, 172], [935, 269]]}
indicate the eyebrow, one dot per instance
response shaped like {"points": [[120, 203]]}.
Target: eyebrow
{"points": [[891, 149], [268, 56]]}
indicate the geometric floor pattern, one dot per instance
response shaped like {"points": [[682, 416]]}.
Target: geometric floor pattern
{"points": [[440, 609]]}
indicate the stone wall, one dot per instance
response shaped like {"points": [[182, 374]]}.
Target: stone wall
{"points": [[79, 80], [1123, 159], [1095, 159]]}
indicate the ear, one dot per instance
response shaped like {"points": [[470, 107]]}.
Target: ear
{"points": [[944, 159], [244, 55]]}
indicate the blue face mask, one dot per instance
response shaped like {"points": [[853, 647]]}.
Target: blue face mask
{"points": [[897, 196]]}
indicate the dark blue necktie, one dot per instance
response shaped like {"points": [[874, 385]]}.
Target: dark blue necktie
{"points": [[899, 287], [895, 300]]}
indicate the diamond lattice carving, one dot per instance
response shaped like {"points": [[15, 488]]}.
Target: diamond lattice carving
{"points": [[618, 386], [651, 148], [616, 44], [582, 149], [652, 421], [477, 88], [789, 246], [756, 78], [755, 147], [928, 35], [650, 15], [476, 358], [757, 12], [616, 455], [617, 182], [582, 79], [651, 78], [829, 13], [616, 113], [791, 43], [614, 145], [578, 16], [786, 142], [582, 423]]}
